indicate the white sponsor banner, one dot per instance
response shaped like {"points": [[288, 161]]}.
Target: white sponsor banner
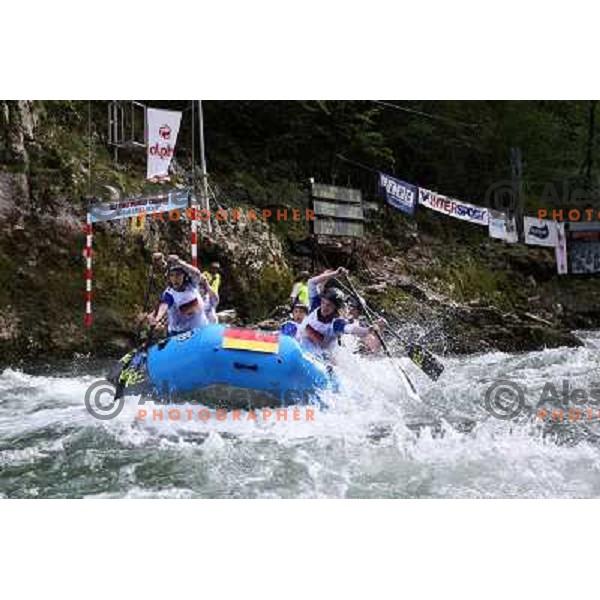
{"points": [[163, 128], [561, 250], [503, 228], [453, 208], [133, 207], [539, 232]]}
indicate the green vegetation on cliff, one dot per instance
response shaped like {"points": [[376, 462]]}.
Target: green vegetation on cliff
{"points": [[262, 154]]}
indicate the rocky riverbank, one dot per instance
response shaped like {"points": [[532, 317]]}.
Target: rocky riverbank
{"points": [[438, 280]]}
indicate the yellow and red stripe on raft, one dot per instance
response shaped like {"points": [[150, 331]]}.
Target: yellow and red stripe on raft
{"points": [[250, 339]]}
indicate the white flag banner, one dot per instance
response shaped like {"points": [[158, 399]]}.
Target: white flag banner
{"points": [[453, 208], [539, 232], [561, 250], [503, 228], [163, 128]]}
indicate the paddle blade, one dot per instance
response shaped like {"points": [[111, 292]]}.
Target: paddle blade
{"points": [[425, 360]]}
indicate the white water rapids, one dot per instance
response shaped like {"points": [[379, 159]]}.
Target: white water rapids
{"points": [[371, 443]]}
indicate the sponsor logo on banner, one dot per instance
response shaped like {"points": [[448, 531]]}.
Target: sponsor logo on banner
{"points": [[454, 208], [110, 211], [561, 250], [163, 128], [399, 194], [164, 132], [539, 232], [502, 228]]}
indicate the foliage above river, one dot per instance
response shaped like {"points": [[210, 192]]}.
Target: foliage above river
{"points": [[262, 154]]}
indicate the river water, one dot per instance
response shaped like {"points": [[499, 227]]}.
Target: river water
{"points": [[372, 442]]}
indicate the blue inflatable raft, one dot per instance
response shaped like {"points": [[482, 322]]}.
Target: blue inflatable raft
{"points": [[235, 368]]}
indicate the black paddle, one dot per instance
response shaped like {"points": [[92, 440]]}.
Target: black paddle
{"points": [[421, 356]]}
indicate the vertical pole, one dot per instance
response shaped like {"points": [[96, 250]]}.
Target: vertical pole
{"points": [[516, 160], [311, 226], [194, 211], [193, 150], [87, 319], [116, 130], [146, 126], [132, 124], [205, 203], [590, 145], [193, 196]]}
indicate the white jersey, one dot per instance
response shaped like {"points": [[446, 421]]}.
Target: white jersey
{"points": [[318, 335], [186, 309]]}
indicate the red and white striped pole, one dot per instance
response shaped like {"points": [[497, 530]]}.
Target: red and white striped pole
{"points": [[194, 236], [87, 319]]}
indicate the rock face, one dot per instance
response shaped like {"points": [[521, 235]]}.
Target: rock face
{"points": [[455, 306], [446, 284], [42, 265], [14, 194], [256, 272], [17, 123]]}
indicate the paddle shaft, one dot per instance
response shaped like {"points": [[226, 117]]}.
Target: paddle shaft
{"points": [[431, 367], [369, 317], [149, 290], [378, 334]]}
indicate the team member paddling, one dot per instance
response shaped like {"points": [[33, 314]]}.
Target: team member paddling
{"points": [[321, 328], [181, 300], [292, 328]]}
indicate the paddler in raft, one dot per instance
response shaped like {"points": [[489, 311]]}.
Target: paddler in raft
{"points": [[182, 301], [299, 313], [188, 301], [354, 314], [321, 328], [209, 289]]}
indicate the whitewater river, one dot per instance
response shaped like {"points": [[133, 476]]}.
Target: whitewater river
{"points": [[373, 442]]}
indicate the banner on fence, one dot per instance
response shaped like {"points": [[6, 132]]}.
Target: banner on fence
{"points": [[503, 228], [539, 232], [454, 208]]}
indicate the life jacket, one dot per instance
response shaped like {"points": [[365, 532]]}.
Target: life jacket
{"points": [[303, 294], [187, 309], [300, 293], [213, 280], [317, 332]]}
